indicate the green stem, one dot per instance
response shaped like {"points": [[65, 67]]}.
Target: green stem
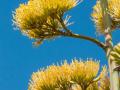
{"points": [[114, 75]]}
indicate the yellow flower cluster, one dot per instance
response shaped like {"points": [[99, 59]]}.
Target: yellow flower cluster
{"points": [[115, 54], [83, 73], [39, 18], [79, 74], [113, 11]]}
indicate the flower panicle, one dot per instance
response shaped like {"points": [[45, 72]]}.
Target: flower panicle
{"points": [[62, 76], [38, 18], [114, 13]]}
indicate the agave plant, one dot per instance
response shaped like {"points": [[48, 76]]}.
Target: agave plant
{"points": [[43, 19]]}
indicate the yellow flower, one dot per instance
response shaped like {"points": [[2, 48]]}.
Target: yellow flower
{"points": [[58, 6], [51, 78], [114, 6], [78, 74], [84, 72], [28, 16], [39, 18], [44, 80], [100, 83], [115, 54], [113, 11]]}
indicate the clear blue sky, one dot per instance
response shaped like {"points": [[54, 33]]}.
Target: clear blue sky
{"points": [[18, 58]]}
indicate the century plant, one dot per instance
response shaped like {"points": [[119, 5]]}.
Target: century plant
{"points": [[43, 20]]}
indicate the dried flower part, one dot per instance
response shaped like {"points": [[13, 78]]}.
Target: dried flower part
{"points": [[78, 74], [39, 18], [115, 54], [113, 11]]}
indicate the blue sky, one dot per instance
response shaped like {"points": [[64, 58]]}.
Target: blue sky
{"points": [[19, 59]]}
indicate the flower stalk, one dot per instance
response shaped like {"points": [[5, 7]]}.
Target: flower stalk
{"points": [[114, 75]]}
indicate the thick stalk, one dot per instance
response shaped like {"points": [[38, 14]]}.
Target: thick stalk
{"points": [[114, 75]]}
